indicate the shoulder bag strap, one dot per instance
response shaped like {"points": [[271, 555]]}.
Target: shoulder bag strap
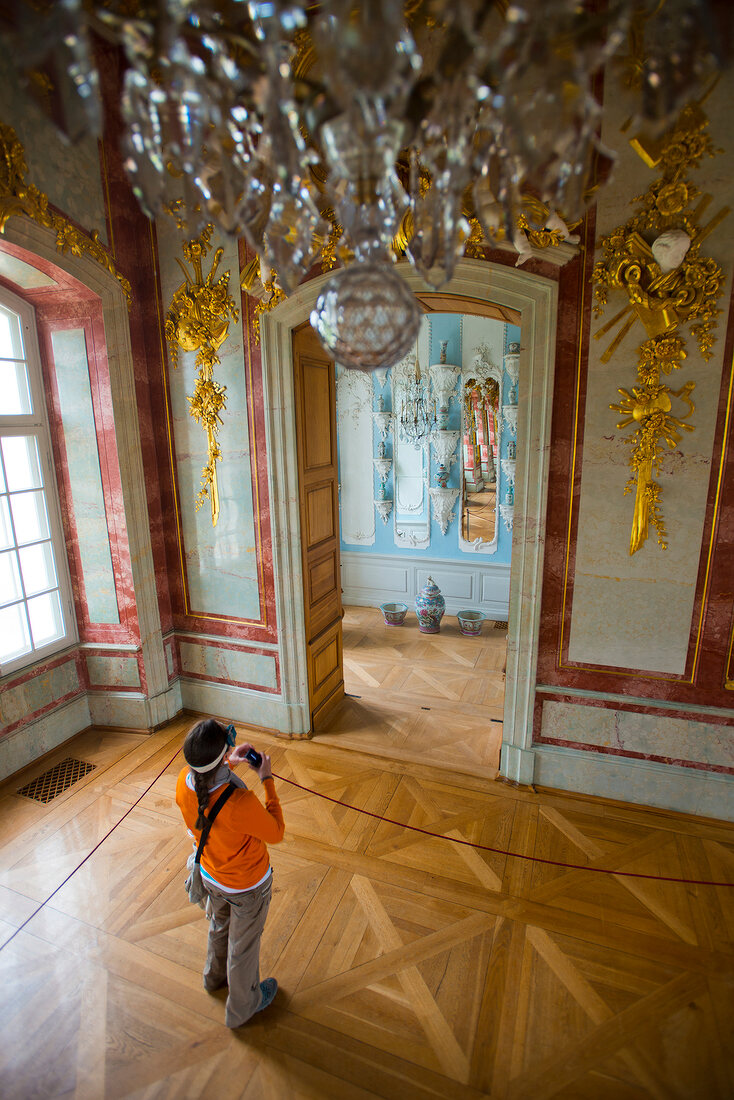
{"points": [[229, 789]]}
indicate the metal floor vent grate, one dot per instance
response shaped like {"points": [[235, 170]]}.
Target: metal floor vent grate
{"points": [[56, 780], [500, 626]]}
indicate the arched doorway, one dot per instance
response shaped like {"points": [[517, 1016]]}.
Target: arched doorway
{"points": [[533, 300]]}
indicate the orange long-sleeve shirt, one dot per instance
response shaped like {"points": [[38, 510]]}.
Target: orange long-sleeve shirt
{"points": [[235, 853]]}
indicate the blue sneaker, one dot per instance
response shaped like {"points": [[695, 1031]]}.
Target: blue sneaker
{"points": [[268, 987]]}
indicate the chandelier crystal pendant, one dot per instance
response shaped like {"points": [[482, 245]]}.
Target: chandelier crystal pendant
{"points": [[356, 133], [417, 418]]}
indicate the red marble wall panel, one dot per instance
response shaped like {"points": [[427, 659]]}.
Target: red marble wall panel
{"points": [[41, 671], [703, 682], [132, 243], [631, 708]]}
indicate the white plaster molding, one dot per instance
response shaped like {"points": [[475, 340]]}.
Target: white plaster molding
{"points": [[479, 546], [444, 446], [352, 389], [383, 420], [512, 366], [406, 537], [508, 469], [370, 579], [379, 378], [443, 501], [509, 412], [443, 381], [383, 467], [507, 512], [482, 365], [384, 508]]}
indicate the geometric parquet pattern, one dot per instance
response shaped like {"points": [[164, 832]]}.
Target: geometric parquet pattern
{"points": [[410, 967], [420, 697]]}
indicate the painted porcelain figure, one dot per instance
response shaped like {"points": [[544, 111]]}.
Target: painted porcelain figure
{"points": [[429, 607]]}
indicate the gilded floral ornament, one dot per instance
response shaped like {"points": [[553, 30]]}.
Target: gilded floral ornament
{"points": [[19, 197], [655, 258], [198, 320]]}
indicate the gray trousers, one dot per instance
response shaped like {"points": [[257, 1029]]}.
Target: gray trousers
{"points": [[236, 922]]}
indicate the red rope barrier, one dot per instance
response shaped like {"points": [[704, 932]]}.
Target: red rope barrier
{"points": [[504, 851]]}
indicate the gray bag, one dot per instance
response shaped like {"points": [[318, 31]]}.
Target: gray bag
{"points": [[194, 883]]}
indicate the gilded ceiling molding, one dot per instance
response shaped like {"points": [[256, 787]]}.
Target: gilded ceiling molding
{"points": [[198, 320], [668, 284], [19, 197]]}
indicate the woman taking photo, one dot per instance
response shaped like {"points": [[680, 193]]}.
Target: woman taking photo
{"points": [[235, 867]]}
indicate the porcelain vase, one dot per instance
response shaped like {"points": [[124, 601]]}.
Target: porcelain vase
{"points": [[429, 607]]}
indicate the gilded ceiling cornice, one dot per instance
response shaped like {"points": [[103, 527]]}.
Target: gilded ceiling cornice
{"points": [[18, 197]]}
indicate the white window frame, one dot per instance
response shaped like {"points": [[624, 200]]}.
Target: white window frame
{"points": [[36, 424]]}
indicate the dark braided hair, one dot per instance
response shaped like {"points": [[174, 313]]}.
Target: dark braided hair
{"points": [[202, 744]]}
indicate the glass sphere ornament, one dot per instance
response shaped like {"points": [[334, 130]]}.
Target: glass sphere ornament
{"points": [[366, 317]]}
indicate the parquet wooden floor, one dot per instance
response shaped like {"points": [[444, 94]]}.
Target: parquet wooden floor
{"points": [[410, 967], [421, 698]]}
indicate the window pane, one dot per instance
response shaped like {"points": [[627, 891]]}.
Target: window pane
{"points": [[22, 467], [11, 336], [15, 638], [38, 568], [15, 396], [10, 586], [30, 517], [47, 621], [6, 531]]}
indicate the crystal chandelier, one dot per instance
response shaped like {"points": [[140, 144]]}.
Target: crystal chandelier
{"points": [[352, 132], [417, 411]]}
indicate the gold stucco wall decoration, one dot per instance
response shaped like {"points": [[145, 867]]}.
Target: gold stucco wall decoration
{"points": [[17, 196], [655, 258], [198, 320]]}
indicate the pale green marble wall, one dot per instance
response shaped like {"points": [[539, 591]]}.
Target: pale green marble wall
{"points": [[112, 671], [255, 669], [82, 457], [220, 562], [36, 692]]}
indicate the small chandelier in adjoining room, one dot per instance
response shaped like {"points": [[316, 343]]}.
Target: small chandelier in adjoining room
{"points": [[348, 133], [417, 411]]}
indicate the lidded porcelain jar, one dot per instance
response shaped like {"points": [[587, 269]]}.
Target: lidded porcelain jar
{"points": [[429, 607]]}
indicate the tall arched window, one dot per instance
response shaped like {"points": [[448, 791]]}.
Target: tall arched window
{"points": [[36, 607]]}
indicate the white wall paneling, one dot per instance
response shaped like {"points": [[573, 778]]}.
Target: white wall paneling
{"points": [[370, 581]]}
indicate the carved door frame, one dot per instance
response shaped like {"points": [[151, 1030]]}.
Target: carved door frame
{"points": [[476, 287]]}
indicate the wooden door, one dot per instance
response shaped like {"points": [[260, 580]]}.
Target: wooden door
{"points": [[315, 393]]}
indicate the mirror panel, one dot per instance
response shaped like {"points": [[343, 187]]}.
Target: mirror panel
{"points": [[481, 388]]}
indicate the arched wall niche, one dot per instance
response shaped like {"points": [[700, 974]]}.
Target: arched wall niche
{"points": [[525, 299], [156, 700]]}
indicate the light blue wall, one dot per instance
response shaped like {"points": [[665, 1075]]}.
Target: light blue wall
{"points": [[442, 326]]}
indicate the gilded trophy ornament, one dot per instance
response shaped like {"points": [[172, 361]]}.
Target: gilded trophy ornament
{"points": [[655, 259], [17, 196], [198, 320]]}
